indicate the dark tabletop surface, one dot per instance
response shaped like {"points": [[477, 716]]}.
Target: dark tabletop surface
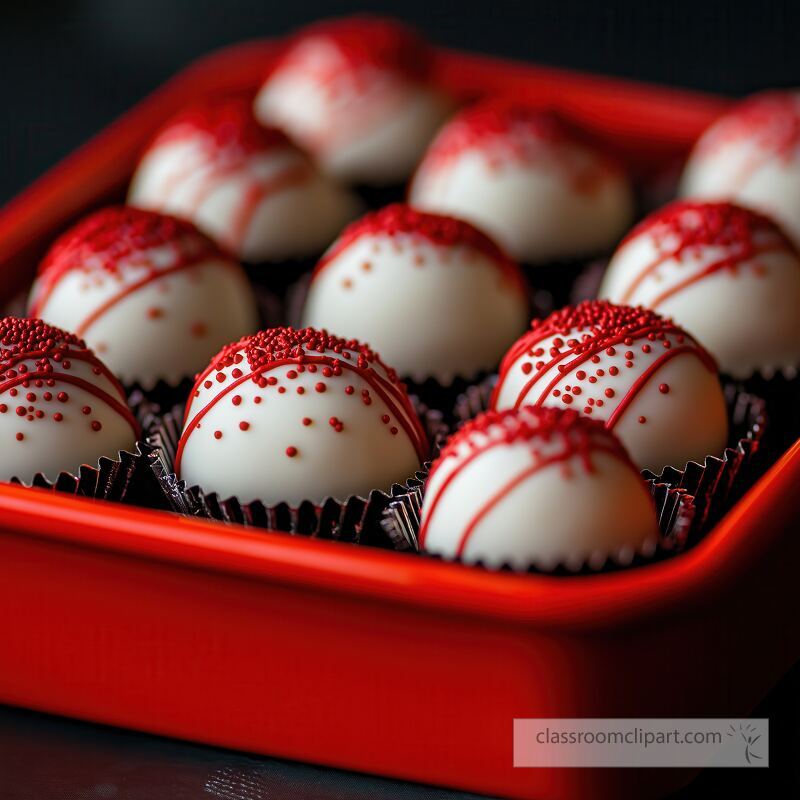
{"points": [[50, 758], [67, 68]]}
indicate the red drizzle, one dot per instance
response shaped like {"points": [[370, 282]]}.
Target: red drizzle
{"points": [[576, 436], [440, 230], [229, 125], [117, 238], [366, 41], [603, 326], [230, 135], [52, 351], [508, 130], [770, 119], [684, 227], [306, 348]]}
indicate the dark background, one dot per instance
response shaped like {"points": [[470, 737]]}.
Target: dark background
{"points": [[68, 68]]}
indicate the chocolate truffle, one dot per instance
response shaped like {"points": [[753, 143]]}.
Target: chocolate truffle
{"points": [[150, 293], [292, 415], [248, 187], [60, 406], [529, 179], [436, 296], [356, 93], [727, 274], [640, 374], [541, 487], [751, 156]]}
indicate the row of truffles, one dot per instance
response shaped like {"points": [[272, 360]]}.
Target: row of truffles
{"points": [[354, 103], [292, 415]]}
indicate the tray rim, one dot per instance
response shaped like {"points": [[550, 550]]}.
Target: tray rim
{"points": [[583, 602], [594, 601]]}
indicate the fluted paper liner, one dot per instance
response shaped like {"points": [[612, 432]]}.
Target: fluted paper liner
{"points": [[356, 520], [716, 483], [677, 520], [128, 478]]}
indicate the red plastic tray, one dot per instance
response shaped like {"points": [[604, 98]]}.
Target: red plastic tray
{"points": [[363, 659]]}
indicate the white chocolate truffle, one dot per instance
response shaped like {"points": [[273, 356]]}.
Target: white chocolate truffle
{"points": [[529, 179], [751, 156], [246, 186], [537, 487], [60, 406], [727, 274], [148, 292], [644, 377], [356, 94], [292, 415], [433, 294]]}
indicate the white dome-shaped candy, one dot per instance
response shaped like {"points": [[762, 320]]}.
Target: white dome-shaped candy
{"points": [[60, 406], [528, 179], [292, 415], [727, 274], [751, 156], [637, 372], [246, 186], [356, 94], [536, 487], [150, 293], [433, 294]]}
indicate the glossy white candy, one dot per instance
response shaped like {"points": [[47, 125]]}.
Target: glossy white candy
{"points": [[567, 495], [339, 430], [751, 156], [364, 119], [155, 298], [661, 396], [255, 193], [542, 193], [440, 309], [722, 272], [71, 412]]}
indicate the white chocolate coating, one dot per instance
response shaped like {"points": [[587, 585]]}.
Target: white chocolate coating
{"points": [[267, 204], [537, 501], [442, 311], [363, 124], [751, 156], [665, 401], [740, 298], [54, 424], [292, 448], [540, 199], [157, 313]]}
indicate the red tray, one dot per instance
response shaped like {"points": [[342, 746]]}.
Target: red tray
{"points": [[368, 660]]}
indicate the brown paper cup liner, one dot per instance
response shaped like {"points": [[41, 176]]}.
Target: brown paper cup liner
{"points": [[128, 478], [781, 392], [356, 520], [675, 509], [717, 482]]}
